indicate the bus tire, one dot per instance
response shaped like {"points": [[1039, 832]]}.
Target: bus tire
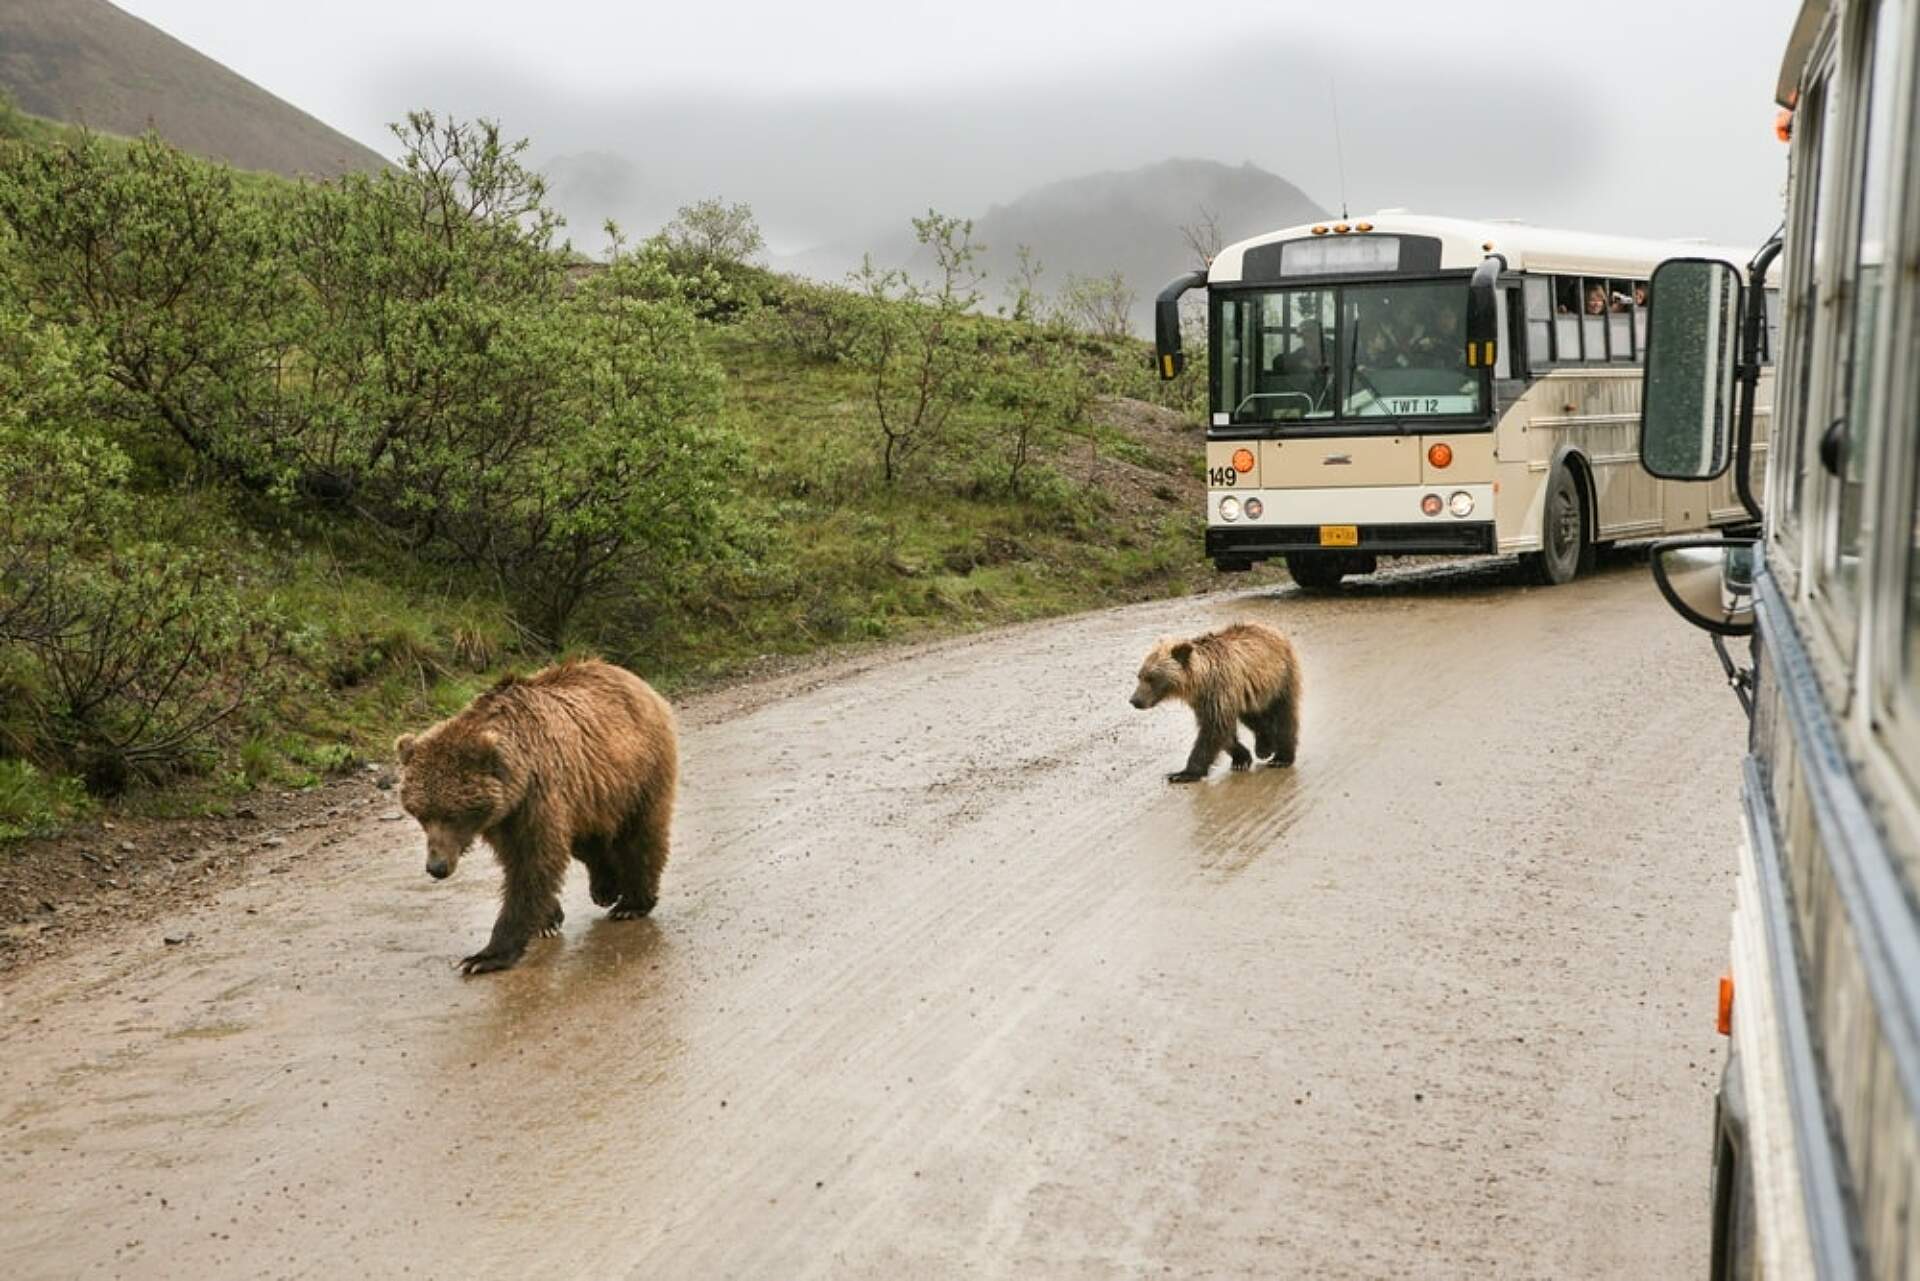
{"points": [[1317, 571], [1564, 547]]}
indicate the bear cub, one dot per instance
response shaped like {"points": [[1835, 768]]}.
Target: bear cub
{"points": [[1246, 672], [577, 761]]}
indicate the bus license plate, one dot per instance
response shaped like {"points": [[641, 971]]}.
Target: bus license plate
{"points": [[1339, 535]]}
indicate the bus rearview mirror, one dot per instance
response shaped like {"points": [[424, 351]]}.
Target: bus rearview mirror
{"points": [[1483, 316], [1693, 343], [1708, 581], [1167, 356]]}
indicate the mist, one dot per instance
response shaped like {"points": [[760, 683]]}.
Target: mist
{"points": [[839, 123]]}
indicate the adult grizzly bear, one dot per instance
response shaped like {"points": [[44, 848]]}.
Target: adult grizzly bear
{"points": [[1244, 672], [577, 760]]}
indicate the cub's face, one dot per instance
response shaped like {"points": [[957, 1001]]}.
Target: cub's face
{"points": [[454, 789], [1164, 672]]}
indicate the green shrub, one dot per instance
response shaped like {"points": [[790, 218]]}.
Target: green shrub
{"points": [[33, 803]]}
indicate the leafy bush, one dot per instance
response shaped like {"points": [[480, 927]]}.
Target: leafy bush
{"points": [[34, 803]]}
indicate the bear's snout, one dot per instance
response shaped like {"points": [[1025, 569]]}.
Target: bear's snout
{"points": [[439, 871], [1138, 702]]}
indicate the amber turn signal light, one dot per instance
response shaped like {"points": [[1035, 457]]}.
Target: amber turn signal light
{"points": [[1243, 460], [1725, 1021], [1439, 454]]}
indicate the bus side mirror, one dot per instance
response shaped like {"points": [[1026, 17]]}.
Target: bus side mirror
{"points": [[1483, 316], [1166, 324], [1708, 581], [1693, 339]]}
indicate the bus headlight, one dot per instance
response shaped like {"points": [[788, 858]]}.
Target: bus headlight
{"points": [[1254, 508], [1461, 504], [1431, 505], [1229, 508]]}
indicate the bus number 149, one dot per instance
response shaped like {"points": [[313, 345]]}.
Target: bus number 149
{"points": [[1219, 477]]}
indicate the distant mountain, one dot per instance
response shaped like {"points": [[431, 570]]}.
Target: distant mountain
{"points": [[87, 62], [1128, 222]]}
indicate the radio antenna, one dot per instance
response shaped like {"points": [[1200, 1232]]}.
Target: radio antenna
{"points": [[1340, 152]]}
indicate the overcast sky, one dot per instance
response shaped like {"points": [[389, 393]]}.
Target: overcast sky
{"points": [[832, 118]]}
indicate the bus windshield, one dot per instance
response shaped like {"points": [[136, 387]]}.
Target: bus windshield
{"points": [[1333, 352]]}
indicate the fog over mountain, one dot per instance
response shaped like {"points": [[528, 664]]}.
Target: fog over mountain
{"points": [[843, 169], [1131, 222], [840, 121]]}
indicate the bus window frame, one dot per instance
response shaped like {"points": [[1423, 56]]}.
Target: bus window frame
{"points": [[1486, 420], [1796, 367], [1894, 537], [1635, 357], [1840, 615]]}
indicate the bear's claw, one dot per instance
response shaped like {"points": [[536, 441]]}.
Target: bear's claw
{"points": [[631, 909], [1184, 776], [487, 962]]}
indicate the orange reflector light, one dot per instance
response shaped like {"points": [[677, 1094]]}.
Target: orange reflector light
{"points": [[1321, 230], [1243, 460], [1440, 454], [1725, 1022], [1363, 226], [1783, 125], [1341, 228], [1431, 505]]}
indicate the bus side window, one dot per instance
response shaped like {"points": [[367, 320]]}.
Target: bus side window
{"points": [[1620, 319], [1642, 299], [1770, 332], [1566, 317], [1593, 317], [1539, 300]]}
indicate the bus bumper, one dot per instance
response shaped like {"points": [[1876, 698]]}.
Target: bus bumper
{"points": [[1438, 537]]}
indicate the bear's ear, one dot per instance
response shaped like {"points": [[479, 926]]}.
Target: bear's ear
{"points": [[486, 747], [1183, 653], [403, 747]]}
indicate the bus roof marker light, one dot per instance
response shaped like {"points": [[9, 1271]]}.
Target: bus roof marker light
{"points": [[1363, 226], [1320, 229], [1440, 454], [1341, 229], [1243, 461]]}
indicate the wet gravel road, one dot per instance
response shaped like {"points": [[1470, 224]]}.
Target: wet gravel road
{"points": [[946, 981]]}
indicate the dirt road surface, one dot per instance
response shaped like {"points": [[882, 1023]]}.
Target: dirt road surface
{"points": [[946, 981]]}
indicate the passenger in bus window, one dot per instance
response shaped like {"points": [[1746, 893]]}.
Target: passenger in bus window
{"points": [[1618, 300], [1566, 295], [1596, 299], [1640, 293]]}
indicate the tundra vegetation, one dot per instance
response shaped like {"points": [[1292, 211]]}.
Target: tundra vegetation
{"points": [[287, 466]]}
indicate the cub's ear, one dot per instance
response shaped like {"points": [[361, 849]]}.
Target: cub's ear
{"points": [[1183, 653], [403, 747], [486, 747]]}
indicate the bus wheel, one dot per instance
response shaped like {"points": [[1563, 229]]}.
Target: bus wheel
{"points": [[1564, 549], [1316, 571]]}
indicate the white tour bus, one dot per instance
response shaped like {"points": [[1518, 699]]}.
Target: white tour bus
{"points": [[1404, 385], [1817, 1145]]}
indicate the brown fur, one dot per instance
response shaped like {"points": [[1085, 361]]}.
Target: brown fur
{"points": [[1246, 672], [579, 760]]}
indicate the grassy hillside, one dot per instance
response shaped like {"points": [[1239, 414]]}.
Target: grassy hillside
{"points": [[88, 62], [323, 608]]}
